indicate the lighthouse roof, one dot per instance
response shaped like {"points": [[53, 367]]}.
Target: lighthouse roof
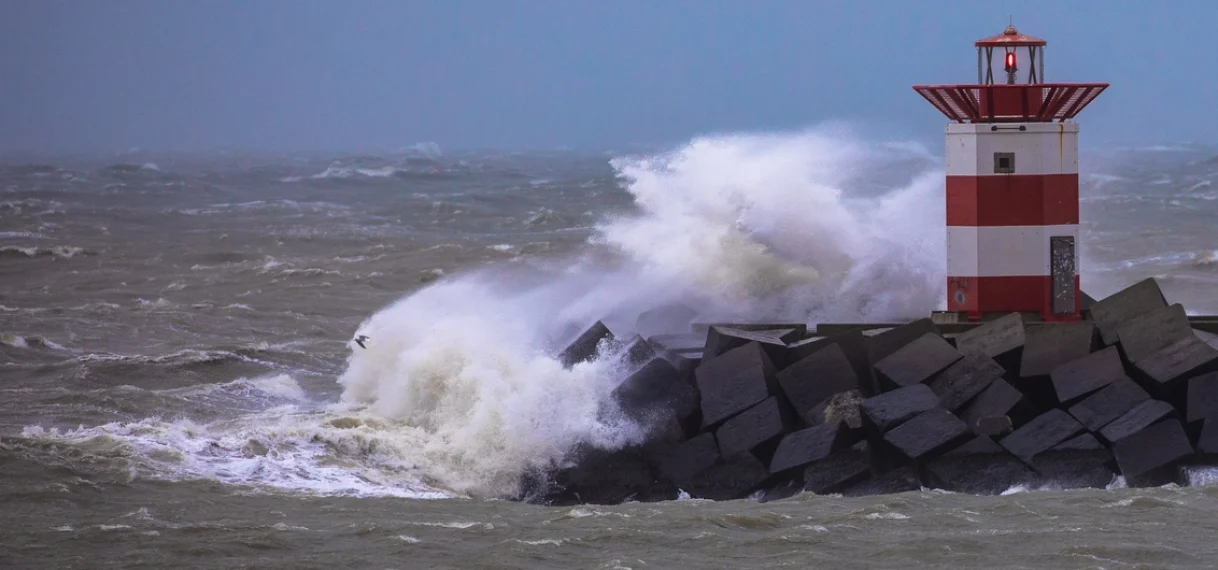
{"points": [[1009, 37]]}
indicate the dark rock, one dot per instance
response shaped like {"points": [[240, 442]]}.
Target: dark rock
{"points": [[999, 399], [1041, 434], [845, 407], [1202, 397], [852, 344], [586, 346], [1079, 462], [1085, 375], [980, 467], [690, 459], [884, 344], [805, 446], [993, 426], [1182, 359], [890, 409], [928, 433], [964, 380], [1109, 403], [665, 319], [1156, 447], [844, 468], [751, 428], [733, 381], [733, 478], [1136, 419], [917, 361], [1154, 331], [655, 388], [722, 339], [1117, 309], [995, 339], [816, 378], [900, 480], [1048, 346]]}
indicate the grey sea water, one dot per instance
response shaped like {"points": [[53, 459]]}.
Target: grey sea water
{"points": [[178, 389]]}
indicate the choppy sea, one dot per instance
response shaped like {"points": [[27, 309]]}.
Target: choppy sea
{"points": [[178, 387]]}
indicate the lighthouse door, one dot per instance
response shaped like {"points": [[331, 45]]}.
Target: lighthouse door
{"points": [[1061, 267]]}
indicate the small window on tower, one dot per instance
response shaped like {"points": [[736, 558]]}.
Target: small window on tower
{"points": [[1004, 163]]}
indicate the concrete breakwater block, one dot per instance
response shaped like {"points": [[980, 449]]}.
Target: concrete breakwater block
{"points": [[1126, 305], [767, 410], [733, 381], [891, 409], [585, 347], [980, 467], [816, 378], [1083, 376], [917, 361]]}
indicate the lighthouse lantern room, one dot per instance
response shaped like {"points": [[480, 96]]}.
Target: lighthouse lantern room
{"points": [[1012, 183]]}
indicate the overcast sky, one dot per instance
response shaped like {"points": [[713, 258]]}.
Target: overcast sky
{"points": [[362, 74]]}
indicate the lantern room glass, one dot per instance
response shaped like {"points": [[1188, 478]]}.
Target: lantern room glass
{"points": [[992, 65]]}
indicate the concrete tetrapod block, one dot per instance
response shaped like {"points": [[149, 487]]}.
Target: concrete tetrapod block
{"points": [[585, 346], [1109, 403], [928, 433], [845, 407], [672, 343], [799, 448], [689, 459], [996, 339], [1136, 419], [1083, 376], [1079, 462], [1050, 345], [722, 339], [752, 428], [1151, 332], [733, 478], [852, 344], [964, 380], [1133, 301], [1041, 434], [1202, 397], [980, 467], [733, 381], [890, 409], [654, 388], [816, 378], [1156, 448], [1177, 361], [916, 362], [884, 344], [846, 467]]}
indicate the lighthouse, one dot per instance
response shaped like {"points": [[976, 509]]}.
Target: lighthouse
{"points": [[1012, 183]]}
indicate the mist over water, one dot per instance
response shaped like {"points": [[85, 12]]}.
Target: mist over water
{"points": [[169, 321]]}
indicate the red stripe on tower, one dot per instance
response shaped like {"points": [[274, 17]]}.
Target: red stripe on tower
{"points": [[1012, 184]]}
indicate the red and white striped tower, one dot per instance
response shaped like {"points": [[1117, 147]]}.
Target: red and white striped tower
{"points": [[1012, 183]]}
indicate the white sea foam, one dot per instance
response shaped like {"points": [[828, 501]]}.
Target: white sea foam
{"points": [[457, 392]]}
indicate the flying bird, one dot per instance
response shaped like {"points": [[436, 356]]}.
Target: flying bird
{"points": [[360, 340]]}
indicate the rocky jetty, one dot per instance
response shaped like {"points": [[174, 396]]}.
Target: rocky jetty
{"points": [[771, 410]]}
